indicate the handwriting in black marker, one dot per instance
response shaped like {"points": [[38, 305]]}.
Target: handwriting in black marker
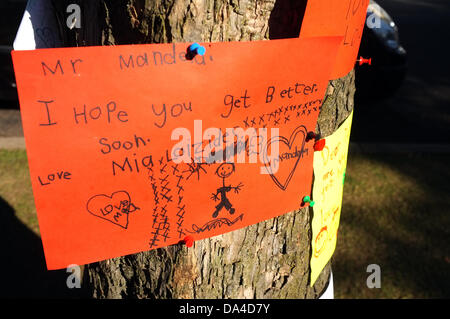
{"points": [[223, 171], [296, 145], [232, 102], [170, 111], [195, 168], [114, 208], [215, 223]]}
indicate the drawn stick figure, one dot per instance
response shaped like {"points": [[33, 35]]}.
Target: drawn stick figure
{"points": [[223, 171]]}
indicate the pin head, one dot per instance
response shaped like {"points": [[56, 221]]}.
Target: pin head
{"points": [[362, 61], [188, 241], [307, 199], [311, 135], [319, 145], [201, 50], [197, 49], [193, 46]]}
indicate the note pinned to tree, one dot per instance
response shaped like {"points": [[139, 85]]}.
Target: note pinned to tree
{"points": [[337, 18], [134, 147], [329, 173]]}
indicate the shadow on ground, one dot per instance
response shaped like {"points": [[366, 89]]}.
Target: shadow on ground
{"points": [[400, 223], [418, 112], [22, 266]]}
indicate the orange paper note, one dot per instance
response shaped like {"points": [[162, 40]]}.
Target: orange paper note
{"points": [[135, 147], [337, 18]]}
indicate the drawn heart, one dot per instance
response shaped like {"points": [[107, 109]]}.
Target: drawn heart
{"points": [[114, 208], [296, 139]]}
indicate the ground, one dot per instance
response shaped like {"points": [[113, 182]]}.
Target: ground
{"points": [[395, 214]]}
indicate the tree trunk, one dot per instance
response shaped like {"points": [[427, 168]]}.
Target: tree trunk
{"points": [[266, 260]]}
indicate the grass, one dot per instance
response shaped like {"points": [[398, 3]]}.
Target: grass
{"points": [[395, 214], [23, 264], [15, 186]]}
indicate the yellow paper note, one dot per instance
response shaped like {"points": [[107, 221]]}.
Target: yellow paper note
{"points": [[329, 172]]}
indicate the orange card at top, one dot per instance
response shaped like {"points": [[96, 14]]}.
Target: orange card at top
{"points": [[337, 18], [135, 147]]}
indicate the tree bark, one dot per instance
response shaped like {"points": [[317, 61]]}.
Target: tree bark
{"points": [[266, 260]]}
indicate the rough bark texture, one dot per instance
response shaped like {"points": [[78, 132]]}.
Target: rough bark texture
{"points": [[266, 260]]}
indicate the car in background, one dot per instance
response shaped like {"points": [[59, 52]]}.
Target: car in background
{"points": [[380, 42]]}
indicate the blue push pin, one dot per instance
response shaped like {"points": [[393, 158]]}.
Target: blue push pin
{"points": [[196, 48]]}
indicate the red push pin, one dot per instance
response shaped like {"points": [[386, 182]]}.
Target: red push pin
{"points": [[362, 61], [319, 145], [188, 241]]}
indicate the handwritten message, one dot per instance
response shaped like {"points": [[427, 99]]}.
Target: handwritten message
{"points": [[329, 174], [339, 18], [134, 147]]}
